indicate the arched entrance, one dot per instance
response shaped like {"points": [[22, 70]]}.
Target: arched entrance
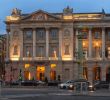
{"points": [[108, 74], [53, 72], [97, 73], [41, 73], [27, 75]]}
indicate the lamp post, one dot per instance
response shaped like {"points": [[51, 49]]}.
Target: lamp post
{"points": [[80, 84]]}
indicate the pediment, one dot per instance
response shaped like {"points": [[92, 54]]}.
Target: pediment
{"points": [[40, 15]]}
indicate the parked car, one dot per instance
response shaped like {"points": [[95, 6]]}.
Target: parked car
{"points": [[101, 84], [29, 83], [40, 82], [66, 85], [15, 82]]}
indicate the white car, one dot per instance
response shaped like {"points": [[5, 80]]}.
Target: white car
{"points": [[65, 85]]}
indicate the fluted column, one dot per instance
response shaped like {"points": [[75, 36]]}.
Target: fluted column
{"points": [[21, 44], [76, 40], [103, 43], [34, 43], [7, 46], [47, 43], [90, 43], [60, 44]]}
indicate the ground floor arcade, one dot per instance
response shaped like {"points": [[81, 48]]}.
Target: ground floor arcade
{"points": [[56, 70]]}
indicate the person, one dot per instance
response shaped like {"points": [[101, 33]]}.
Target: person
{"points": [[46, 80]]}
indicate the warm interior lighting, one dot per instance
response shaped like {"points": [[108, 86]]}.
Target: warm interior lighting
{"points": [[84, 44], [41, 68], [27, 65], [14, 58], [53, 65], [29, 77], [68, 17], [97, 44]]}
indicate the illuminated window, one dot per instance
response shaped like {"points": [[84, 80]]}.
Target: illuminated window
{"points": [[85, 72], [53, 65], [27, 65]]}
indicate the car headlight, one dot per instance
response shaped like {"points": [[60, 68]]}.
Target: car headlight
{"points": [[71, 86]]}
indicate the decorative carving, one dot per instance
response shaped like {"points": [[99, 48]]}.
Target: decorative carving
{"points": [[66, 33], [68, 10], [15, 52], [67, 49], [40, 17], [16, 12]]}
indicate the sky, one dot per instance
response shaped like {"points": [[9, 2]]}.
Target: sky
{"points": [[29, 6]]}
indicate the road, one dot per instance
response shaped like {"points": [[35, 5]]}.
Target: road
{"points": [[53, 93]]}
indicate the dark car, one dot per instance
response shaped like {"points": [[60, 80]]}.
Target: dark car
{"points": [[101, 84], [29, 83], [15, 83]]}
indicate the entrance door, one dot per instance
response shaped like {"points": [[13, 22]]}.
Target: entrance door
{"points": [[53, 75], [27, 75], [40, 73]]}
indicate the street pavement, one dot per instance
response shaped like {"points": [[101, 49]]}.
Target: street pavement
{"points": [[50, 93]]}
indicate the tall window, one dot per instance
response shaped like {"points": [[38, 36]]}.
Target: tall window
{"points": [[41, 51], [28, 52], [54, 33], [40, 34], [29, 34], [85, 35], [97, 35], [53, 51]]}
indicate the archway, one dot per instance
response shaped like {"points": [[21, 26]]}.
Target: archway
{"points": [[97, 73], [108, 74], [41, 73]]}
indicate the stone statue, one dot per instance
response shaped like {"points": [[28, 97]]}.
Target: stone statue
{"points": [[16, 12], [68, 10]]}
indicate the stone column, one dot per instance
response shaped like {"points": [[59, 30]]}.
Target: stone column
{"points": [[7, 46], [21, 44], [60, 44], [34, 43], [90, 43], [47, 43], [103, 42], [76, 48]]}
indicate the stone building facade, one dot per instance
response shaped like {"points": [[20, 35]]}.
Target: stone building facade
{"points": [[42, 44]]}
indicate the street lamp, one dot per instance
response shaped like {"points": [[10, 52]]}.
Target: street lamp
{"points": [[80, 84]]}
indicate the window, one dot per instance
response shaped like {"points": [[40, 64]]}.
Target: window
{"points": [[41, 51], [97, 35], [29, 34], [85, 35], [54, 34], [40, 34], [53, 51], [28, 51]]}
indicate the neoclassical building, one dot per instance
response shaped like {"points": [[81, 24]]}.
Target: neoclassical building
{"points": [[43, 44]]}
